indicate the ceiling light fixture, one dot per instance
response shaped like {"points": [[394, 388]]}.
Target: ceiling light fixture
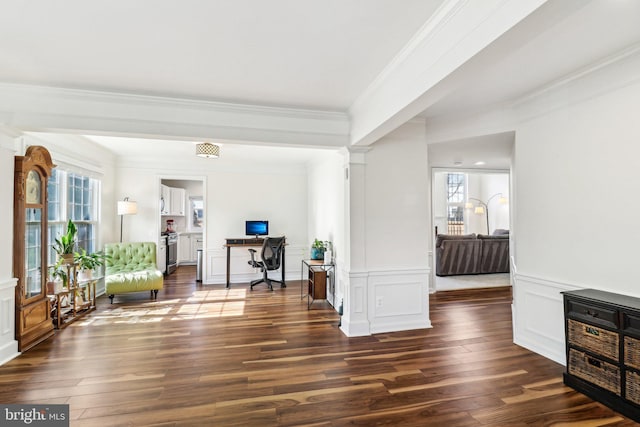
{"points": [[208, 150], [479, 163]]}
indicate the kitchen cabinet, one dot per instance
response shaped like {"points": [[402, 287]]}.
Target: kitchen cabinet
{"points": [[177, 201], [172, 201], [188, 245], [165, 200]]}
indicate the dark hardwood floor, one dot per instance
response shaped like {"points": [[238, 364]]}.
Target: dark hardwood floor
{"points": [[207, 356]]}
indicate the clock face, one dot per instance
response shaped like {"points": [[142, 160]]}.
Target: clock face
{"points": [[32, 187]]}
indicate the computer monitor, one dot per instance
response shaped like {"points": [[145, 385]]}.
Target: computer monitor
{"points": [[256, 228]]}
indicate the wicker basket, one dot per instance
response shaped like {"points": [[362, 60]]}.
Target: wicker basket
{"points": [[632, 389], [632, 352], [595, 339], [595, 371]]}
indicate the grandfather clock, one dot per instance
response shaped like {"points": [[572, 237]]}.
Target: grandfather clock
{"points": [[33, 312]]}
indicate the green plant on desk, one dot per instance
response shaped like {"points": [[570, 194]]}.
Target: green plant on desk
{"points": [[318, 248]]}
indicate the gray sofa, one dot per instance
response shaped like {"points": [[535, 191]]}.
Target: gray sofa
{"points": [[472, 254]]}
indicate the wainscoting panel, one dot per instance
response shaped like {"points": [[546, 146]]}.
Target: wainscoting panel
{"points": [[538, 316], [398, 300], [242, 272], [8, 344]]}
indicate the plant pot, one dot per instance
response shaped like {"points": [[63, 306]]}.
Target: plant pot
{"points": [[58, 285], [84, 275], [66, 258], [317, 253]]}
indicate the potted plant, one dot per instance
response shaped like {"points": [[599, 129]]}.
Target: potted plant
{"points": [[58, 275], [87, 262], [65, 244], [317, 249]]}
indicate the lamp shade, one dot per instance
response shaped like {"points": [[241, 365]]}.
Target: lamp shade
{"points": [[479, 210], [126, 207], [468, 205], [208, 150]]}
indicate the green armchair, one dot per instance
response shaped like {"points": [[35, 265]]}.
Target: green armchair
{"points": [[131, 267]]}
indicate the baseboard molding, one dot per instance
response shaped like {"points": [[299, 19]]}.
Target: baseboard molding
{"points": [[8, 352]]}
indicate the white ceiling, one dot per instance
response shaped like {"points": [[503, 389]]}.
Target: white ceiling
{"points": [[301, 53], [318, 54]]}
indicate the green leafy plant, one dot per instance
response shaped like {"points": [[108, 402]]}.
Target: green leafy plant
{"points": [[318, 244], [59, 272], [65, 244], [87, 261]]}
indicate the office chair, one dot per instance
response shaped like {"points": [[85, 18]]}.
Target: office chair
{"points": [[271, 258]]}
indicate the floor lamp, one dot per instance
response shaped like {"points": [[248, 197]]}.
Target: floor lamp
{"points": [[483, 207], [126, 207]]}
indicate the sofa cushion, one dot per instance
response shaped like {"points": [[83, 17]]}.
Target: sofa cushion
{"points": [[493, 237], [133, 281], [442, 237]]}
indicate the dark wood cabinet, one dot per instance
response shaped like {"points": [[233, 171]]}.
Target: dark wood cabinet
{"points": [[33, 313], [602, 335], [317, 283]]}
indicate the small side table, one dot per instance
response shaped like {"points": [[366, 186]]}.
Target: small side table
{"points": [[318, 272]]}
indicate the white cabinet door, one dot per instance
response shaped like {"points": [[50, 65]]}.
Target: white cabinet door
{"points": [[184, 249], [165, 200], [177, 201]]}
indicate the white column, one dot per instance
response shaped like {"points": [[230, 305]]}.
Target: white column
{"points": [[355, 320]]}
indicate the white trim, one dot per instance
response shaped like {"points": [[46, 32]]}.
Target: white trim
{"points": [[8, 343], [40, 108]]}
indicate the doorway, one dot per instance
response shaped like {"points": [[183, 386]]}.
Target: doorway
{"points": [[470, 204], [182, 216]]}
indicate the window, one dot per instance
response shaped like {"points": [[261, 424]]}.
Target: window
{"points": [[73, 197], [455, 202]]}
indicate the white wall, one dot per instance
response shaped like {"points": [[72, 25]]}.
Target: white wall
{"points": [[326, 219], [577, 180], [230, 198], [485, 186], [8, 344], [397, 205]]}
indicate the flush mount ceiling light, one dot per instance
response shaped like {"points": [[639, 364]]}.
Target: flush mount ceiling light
{"points": [[208, 150]]}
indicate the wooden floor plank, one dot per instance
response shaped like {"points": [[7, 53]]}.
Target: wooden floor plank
{"points": [[206, 355]]}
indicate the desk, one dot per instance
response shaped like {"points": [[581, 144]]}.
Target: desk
{"points": [[247, 243], [313, 268]]}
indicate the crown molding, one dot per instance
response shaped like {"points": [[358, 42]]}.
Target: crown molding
{"points": [[630, 55], [42, 108]]}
